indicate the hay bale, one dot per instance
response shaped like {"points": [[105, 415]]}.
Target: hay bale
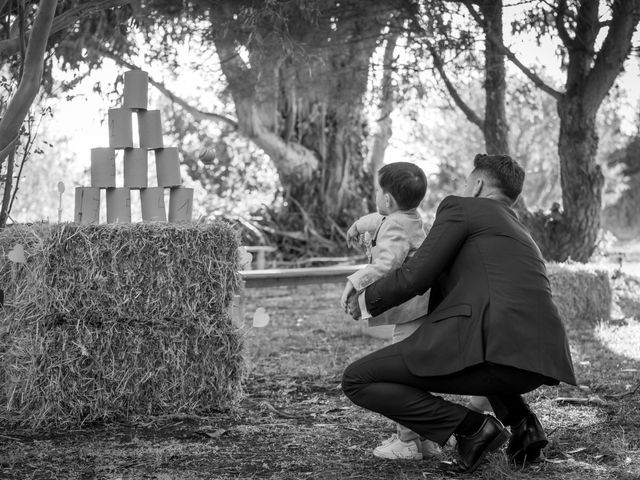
{"points": [[105, 322], [581, 292]]}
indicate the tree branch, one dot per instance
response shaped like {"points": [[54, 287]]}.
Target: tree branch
{"points": [[612, 54], [453, 92], [62, 22], [8, 184], [530, 74], [29, 85], [194, 112], [21, 32], [291, 159], [561, 13], [385, 106]]}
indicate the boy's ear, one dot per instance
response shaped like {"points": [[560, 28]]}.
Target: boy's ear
{"points": [[388, 200]]}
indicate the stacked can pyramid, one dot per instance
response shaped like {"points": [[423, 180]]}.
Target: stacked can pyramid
{"points": [[103, 165]]}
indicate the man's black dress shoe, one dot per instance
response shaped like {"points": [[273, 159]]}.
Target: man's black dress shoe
{"points": [[473, 448], [527, 439]]}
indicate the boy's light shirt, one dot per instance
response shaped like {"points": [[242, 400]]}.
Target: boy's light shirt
{"points": [[364, 313], [395, 237]]}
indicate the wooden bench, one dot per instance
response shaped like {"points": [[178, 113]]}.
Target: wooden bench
{"points": [[280, 277], [260, 251]]}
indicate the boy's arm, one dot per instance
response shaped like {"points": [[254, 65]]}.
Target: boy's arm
{"points": [[392, 247], [368, 223]]}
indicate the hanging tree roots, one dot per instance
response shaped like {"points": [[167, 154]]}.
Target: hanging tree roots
{"points": [[110, 322]]}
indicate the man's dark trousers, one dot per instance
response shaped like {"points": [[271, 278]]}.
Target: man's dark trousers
{"points": [[381, 382]]}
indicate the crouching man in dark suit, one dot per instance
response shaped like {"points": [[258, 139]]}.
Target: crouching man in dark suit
{"points": [[491, 328]]}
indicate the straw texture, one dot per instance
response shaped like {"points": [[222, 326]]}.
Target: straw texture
{"points": [[581, 292], [111, 321]]}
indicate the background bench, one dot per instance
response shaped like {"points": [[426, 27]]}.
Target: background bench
{"points": [[260, 252], [278, 277]]}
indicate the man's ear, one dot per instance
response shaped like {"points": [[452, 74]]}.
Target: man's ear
{"points": [[388, 200], [477, 187]]}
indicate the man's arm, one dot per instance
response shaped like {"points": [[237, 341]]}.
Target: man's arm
{"points": [[418, 274]]}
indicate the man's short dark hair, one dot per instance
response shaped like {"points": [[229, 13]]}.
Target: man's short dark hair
{"points": [[405, 181], [505, 172]]}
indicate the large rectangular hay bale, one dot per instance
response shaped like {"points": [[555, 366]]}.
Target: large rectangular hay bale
{"points": [[112, 321], [582, 293]]}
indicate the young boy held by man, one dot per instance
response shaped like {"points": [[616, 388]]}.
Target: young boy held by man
{"points": [[395, 231]]}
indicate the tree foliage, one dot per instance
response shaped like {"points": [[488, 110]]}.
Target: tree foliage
{"points": [[571, 228], [297, 74]]}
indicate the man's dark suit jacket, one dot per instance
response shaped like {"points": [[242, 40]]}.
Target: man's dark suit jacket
{"points": [[490, 296]]}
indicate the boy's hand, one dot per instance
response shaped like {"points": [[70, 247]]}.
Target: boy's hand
{"points": [[353, 235]]}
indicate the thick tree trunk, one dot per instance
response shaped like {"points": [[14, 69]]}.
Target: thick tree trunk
{"points": [[573, 232], [304, 107], [581, 179], [495, 126]]}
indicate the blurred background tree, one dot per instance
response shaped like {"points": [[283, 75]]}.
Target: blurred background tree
{"points": [[297, 103]]}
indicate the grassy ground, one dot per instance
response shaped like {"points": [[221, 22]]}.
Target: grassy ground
{"points": [[295, 423]]}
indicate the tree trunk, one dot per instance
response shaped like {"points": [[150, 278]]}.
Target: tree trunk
{"points": [[303, 106], [572, 232], [495, 126], [8, 184], [385, 107], [29, 85]]}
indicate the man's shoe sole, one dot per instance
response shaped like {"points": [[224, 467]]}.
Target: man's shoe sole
{"points": [[529, 454], [495, 444]]}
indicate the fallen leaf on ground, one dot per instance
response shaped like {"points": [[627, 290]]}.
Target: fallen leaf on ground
{"points": [[577, 450], [215, 434], [260, 318], [16, 254]]}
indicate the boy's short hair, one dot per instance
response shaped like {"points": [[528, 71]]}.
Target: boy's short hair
{"points": [[405, 181], [507, 175]]}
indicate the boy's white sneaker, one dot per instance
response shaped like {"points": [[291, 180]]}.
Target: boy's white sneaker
{"points": [[430, 449], [389, 440], [395, 449]]}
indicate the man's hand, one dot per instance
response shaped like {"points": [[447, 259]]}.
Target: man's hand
{"points": [[353, 307], [348, 290]]}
